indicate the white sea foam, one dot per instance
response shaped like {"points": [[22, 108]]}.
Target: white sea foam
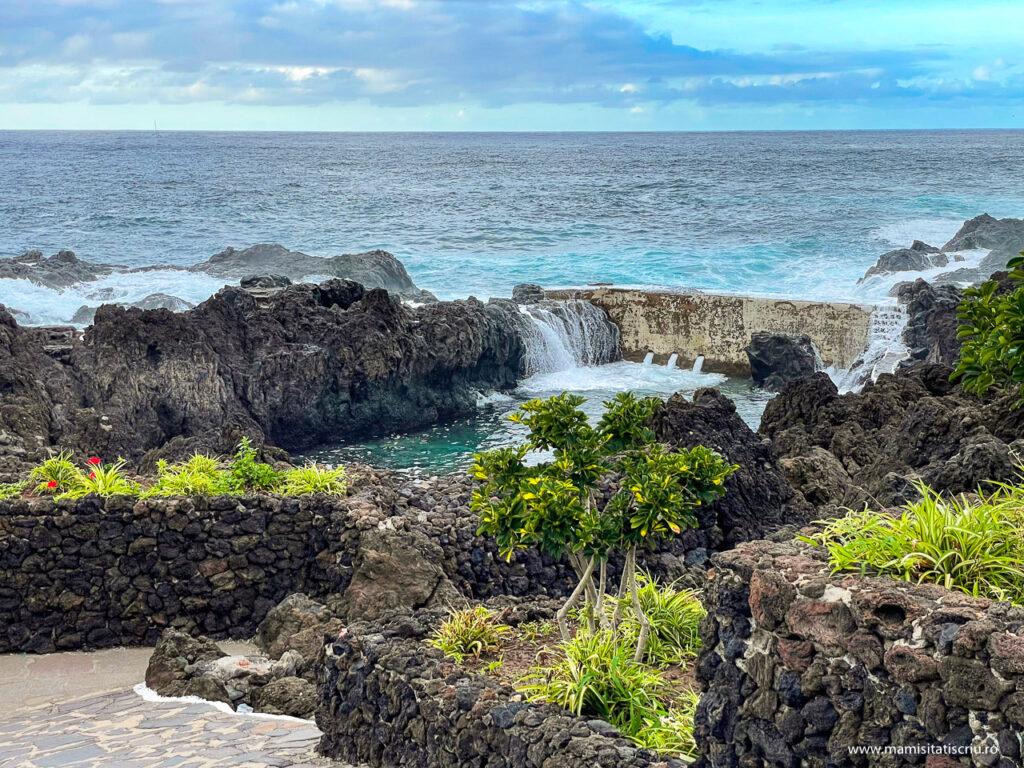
{"points": [[148, 694], [934, 231], [48, 306], [618, 377]]}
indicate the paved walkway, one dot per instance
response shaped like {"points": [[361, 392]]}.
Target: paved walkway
{"points": [[59, 711]]}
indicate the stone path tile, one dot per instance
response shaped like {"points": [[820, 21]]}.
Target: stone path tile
{"points": [[121, 729]]}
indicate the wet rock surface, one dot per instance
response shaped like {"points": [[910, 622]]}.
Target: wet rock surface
{"points": [[779, 358], [919, 256], [801, 666], [915, 425], [59, 271]]}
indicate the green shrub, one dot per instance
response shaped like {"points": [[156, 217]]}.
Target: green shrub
{"points": [[560, 506], [199, 476], [10, 491], [970, 546], [992, 329], [674, 615], [247, 474], [102, 480], [469, 632], [671, 731], [313, 478], [55, 475]]}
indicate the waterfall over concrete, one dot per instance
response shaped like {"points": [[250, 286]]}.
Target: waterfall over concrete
{"points": [[884, 351], [560, 335]]}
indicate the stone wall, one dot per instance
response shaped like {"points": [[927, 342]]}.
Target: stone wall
{"points": [[803, 668], [719, 327], [387, 700]]}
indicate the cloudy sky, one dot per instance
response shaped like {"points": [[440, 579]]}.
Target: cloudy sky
{"points": [[504, 65]]}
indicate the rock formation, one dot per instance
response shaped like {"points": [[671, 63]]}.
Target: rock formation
{"points": [[59, 271], [758, 500], [1005, 238], [919, 256], [86, 314], [870, 447], [306, 365], [778, 358]]}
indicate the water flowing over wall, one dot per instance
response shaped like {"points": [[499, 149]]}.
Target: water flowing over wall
{"points": [[559, 335], [883, 353]]}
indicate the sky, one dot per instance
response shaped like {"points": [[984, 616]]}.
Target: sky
{"points": [[497, 65]]}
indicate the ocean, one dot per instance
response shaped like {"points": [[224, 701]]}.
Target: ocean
{"points": [[795, 215], [800, 215]]}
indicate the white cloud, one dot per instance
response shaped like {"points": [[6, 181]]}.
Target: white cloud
{"points": [[628, 88], [982, 73]]}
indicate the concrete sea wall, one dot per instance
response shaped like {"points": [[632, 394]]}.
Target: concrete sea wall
{"points": [[719, 327]]}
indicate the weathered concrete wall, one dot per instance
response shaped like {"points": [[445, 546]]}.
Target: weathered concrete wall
{"points": [[719, 327]]}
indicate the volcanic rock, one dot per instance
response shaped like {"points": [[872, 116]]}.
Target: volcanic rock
{"points": [[778, 358], [59, 271], [85, 314], [758, 500], [528, 293], [913, 426], [917, 257], [264, 281]]}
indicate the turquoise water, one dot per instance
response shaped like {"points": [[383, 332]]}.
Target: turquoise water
{"points": [[450, 447]]}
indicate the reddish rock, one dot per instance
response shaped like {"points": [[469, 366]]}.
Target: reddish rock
{"points": [[910, 665]]}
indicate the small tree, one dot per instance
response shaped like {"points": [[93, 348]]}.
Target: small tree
{"points": [[992, 327], [607, 489]]}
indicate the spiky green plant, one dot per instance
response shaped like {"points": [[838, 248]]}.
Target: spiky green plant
{"points": [[670, 732], [199, 476], [314, 478], [10, 491], [675, 616], [102, 480], [970, 545], [469, 632], [55, 475]]}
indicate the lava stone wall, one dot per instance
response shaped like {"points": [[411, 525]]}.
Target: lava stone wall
{"points": [[801, 666], [387, 700], [96, 573]]}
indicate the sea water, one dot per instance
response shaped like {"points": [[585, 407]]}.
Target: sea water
{"points": [[796, 215]]}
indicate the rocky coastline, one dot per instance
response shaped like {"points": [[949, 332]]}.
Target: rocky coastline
{"points": [[798, 664]]}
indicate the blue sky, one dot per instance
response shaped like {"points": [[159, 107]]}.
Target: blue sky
{"points": [[499, 65]]}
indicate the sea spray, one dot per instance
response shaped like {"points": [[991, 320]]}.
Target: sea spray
{"points": [[672, 360]]}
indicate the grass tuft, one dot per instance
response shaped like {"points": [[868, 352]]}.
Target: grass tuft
{"points": [[469, 632]]}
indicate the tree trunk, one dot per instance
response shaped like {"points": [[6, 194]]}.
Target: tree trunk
{"points": [[573, 598], [645, 624]]}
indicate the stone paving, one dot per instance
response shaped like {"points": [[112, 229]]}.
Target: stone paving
{"points": [[122, 730]]}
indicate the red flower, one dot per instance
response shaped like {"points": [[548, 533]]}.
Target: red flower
{"points": [[52, 484], [94, 459], [92, 475]]}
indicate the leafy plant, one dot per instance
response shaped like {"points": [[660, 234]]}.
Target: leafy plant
{"points": [[102, 480], [494, 667], [10, 491], [597, 677], [314, 478], [969, 546], [531, 631], [674, 615], [249, 474], [199, 476], [561, 507], [469, 632], [55, 475], [671, 731], [992, 329]]}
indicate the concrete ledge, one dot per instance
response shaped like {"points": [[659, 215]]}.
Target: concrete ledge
{"points": [[719, 327]]}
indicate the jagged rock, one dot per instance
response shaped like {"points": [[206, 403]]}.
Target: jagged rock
{"points": [[175, 655], [917, 257], [308, 364], [914, 425], [264, 281], [986, 231], [528, 293], [778, 358], [395, 570], [297, 623], [290, 696], [758, 499], [373, 269], [59, 271], [87, 314], [932, 324]]}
